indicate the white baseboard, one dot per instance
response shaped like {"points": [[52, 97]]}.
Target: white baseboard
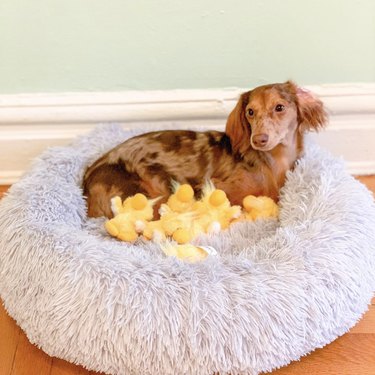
{"points": [[29, 123]]}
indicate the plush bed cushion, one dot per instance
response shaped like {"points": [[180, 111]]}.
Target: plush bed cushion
{"points": [[276, 291]]}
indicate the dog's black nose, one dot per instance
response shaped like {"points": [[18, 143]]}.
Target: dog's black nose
{"points": [[260, 140]]}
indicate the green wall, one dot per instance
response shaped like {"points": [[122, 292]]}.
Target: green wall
{"points": [[111, 45]]}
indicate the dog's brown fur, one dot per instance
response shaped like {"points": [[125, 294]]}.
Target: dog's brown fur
{"points": [[262, 141]]}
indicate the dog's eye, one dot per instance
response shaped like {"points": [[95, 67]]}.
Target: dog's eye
{"points": [[279, 108], [250, 112]]}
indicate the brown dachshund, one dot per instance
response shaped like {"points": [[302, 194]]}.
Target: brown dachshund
{"points": [[262, 140]]}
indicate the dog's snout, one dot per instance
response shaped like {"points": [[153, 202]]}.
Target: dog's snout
{"points": [[260, 140]]}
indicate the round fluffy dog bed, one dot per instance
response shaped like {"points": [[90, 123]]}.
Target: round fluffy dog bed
{"points": [[277, 290]]}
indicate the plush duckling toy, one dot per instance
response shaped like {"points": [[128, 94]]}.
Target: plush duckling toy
{"points": [[215, 210], [179, 225], [137, 204], [171, 224], [123, 227], [154, 231], [183, 235], [260, 208], [187, 252], [130, 216], [177, 216], [182, 200]]}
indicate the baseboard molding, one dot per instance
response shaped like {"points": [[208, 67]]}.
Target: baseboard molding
{"points": [[29, 123], [10, 177], [361, 167]]}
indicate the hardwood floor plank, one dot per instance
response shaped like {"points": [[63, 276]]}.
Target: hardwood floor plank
{"points": [[30, 360], [366, 324], [3, 189], [349, 355], [9, 338], [61, 367], [369, 181]]}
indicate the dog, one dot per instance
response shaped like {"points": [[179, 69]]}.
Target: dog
{"points": [[263, 138]]}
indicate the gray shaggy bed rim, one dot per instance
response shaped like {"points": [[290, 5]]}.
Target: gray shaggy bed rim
{"points": [[277, 290]]}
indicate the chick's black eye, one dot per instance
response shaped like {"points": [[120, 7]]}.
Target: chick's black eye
{"points": [[250, 112], [279, 108]]}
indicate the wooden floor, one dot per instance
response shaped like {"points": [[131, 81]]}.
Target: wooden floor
{"points": [[351, 354]]}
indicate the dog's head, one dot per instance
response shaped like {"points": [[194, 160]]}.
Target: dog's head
{"points": [[269, 115]]}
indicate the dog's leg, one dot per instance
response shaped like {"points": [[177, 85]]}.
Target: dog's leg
{"points": [[104, 183]]}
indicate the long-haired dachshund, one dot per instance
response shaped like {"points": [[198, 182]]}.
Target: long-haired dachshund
{"points": [[262, 140]]}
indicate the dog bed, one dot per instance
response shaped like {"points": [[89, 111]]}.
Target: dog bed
{"points": [[276, 291]]}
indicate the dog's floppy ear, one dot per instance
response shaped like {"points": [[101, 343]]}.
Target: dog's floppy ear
{"points": [[237, 128], [311, 112]]}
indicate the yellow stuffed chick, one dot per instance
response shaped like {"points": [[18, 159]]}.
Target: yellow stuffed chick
{"points": [[187, 252], [259, 208], [182, 199], [130, 216], [214, 209]]}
